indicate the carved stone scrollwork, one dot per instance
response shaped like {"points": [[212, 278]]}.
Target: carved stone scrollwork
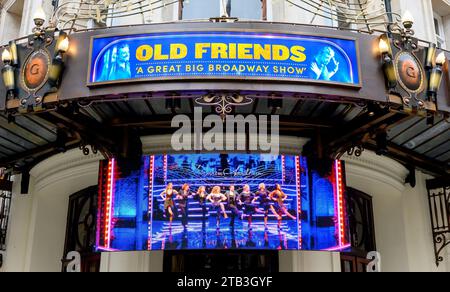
{"points": [[224, 103]]}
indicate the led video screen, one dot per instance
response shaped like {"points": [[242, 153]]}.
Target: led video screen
{"points": [[220, 201]]}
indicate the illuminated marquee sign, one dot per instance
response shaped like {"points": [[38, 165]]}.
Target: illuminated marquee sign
{"points": [[224, 55]]}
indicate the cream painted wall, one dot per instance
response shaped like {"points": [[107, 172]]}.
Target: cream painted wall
{"points": [[38, 219], [402, 222], [19, 223], [140, 261], [10, 23], [423, 16], [13, 27], [418, 228], [383, 179], [446, 21], [309, 261]]}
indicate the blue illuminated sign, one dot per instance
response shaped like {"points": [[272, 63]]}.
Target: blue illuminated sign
{"points": [[224, 55]]}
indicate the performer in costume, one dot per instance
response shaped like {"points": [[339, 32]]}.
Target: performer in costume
{"points": [[278, 196], [247, 198], [169, 206], [320, 67], [263, 196], [116, 64], [232, 204], [217, 199], [201, 198], [182, 198]]}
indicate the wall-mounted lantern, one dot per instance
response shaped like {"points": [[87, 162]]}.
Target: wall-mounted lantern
{"points": [[33, 71], [431, 55], [57, 67], [405, 63], [436, 76], [13, 51], [388, 64], [8, 73]]}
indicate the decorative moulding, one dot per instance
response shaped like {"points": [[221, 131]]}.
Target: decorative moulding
{"points": [[378, 168], [71, 164]]}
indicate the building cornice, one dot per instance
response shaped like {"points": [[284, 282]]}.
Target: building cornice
{"points": [[379, 169], [71, 164], [159, 144]]}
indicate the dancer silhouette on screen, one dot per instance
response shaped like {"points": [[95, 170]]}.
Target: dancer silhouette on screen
{"points": [[247, 198], [263, 196], [201, 198], [217, 198], [183, 197], [167, 195], [232, 204], [278, 196]]}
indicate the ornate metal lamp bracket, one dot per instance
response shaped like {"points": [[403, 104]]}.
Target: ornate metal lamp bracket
{"points": [[411, 82], [406, 41], [85, 148], [351, 149]]}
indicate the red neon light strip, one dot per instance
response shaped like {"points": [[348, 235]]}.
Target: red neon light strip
{"points": [[151, 174], [340, 202], [109, 202], [299, 201]]}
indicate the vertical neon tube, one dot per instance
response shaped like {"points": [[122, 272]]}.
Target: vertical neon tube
{"points": [[283, 168], [151, 175], [299, 201], [98, 235], [107, 206], [109, 202], [340, 202], [165, 169]]}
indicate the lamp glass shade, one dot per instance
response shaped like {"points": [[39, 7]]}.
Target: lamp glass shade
{"points": [[407, 18], [39, 14], [431, 54], [389, 72], [384, 47], [6, 56], [440, 60], [435, 81], [13, 51], [55, 71], [63, 45], [8, 78]]}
